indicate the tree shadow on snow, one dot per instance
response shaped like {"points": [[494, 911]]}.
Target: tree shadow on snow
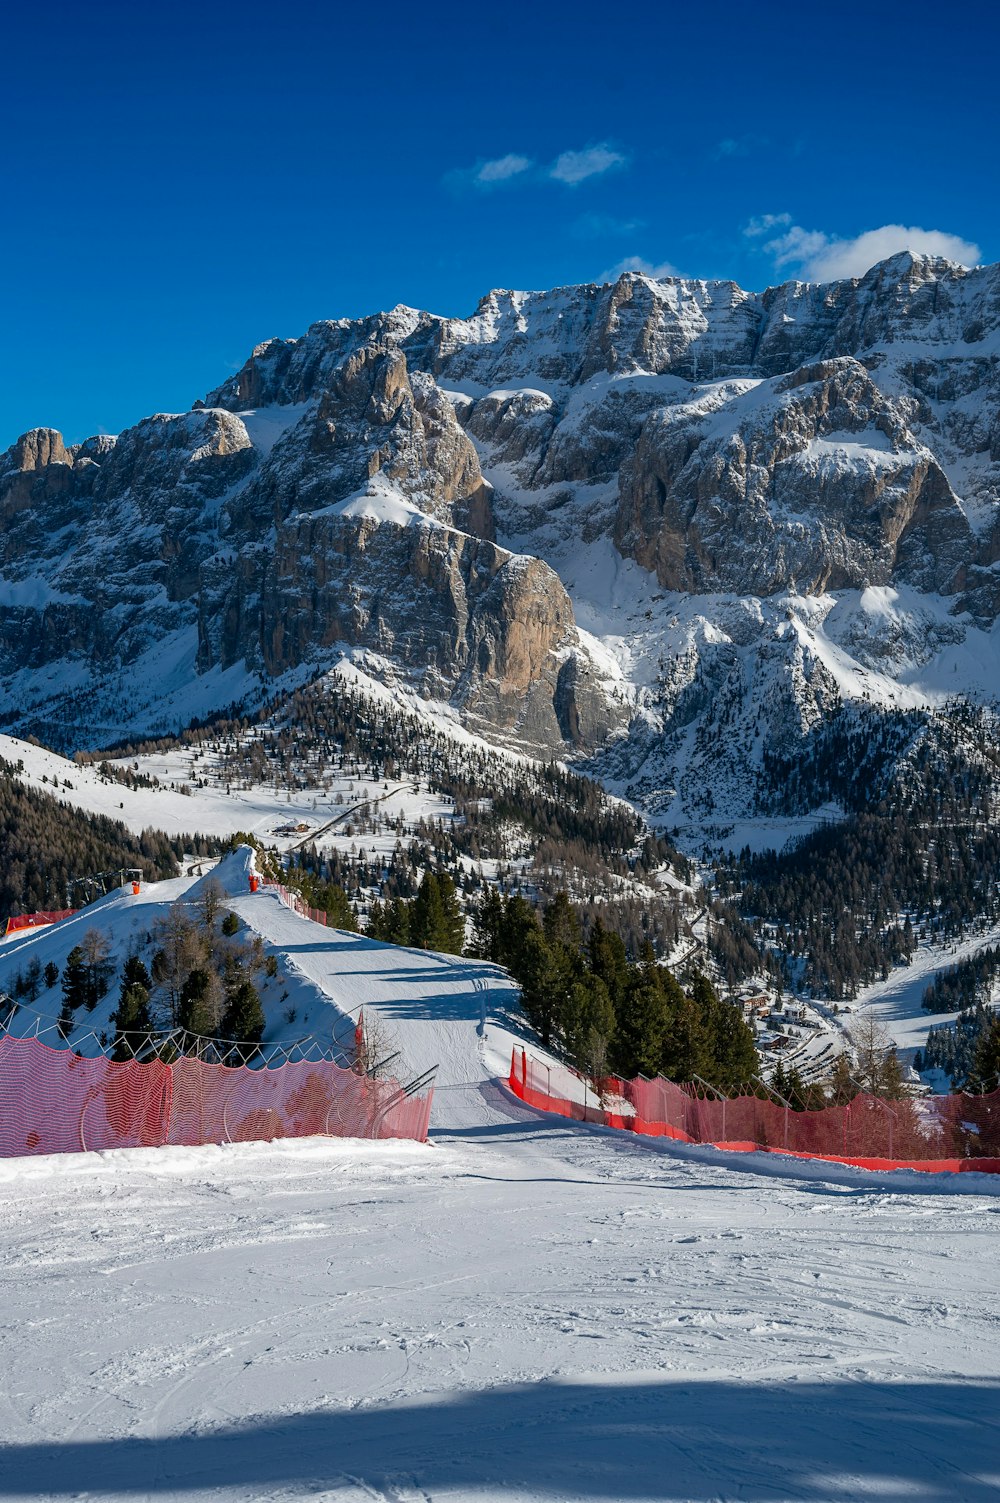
{"points": [[765, 1442]]}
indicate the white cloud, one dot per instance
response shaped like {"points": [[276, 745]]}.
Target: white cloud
{"points": [[798, 246], [819, 257], [640, 265], [569, 168], [852, 258], [574, 167], [736, 146], [602, 226], [502, 169], [764, 224]]}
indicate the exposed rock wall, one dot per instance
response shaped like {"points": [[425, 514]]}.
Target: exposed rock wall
{"points": [[347, 490]]}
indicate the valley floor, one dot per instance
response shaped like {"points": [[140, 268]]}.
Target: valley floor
{"points": [[517, 1311]]}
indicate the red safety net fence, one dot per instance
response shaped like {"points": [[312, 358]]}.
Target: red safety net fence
{"points": [[934, 1133], [36, 920], [293, 901], [55, 1101]]}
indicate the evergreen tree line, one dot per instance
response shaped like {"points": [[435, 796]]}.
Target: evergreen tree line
{"points": [[604, 1011], [431, 920], [917, 856], [868, 757], [636, 915], [964, 985], [576, 837], [852, 757], [200, 979], [47, 845], [968, 1050], [579, 988], [847, 900]]}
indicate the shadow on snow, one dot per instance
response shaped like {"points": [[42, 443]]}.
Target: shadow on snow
{"points": [[835, 1442]]}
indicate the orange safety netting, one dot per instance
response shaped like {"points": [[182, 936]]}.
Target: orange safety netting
{"points": [[55, 1101], [36, 920], [293, 901], [934, 1133]]}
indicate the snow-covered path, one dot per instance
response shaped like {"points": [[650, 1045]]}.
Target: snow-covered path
{"points": [[522, 1312], [897, 1000], [442, 1011]]}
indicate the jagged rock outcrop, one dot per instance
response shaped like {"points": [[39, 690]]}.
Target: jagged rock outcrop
{"points": [[810, 482], [505, 511]]}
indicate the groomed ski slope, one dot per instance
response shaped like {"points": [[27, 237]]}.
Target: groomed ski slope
{"points": [[520, 1311], [434, 1010], [517, 1313]]}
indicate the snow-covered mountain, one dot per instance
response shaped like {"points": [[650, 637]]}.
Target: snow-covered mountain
{"points": [[665, 525]]}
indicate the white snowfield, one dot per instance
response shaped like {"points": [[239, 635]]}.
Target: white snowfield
{"points": [[261, 810], [520, 1311]]}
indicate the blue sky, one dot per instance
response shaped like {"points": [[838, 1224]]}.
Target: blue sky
{"points": [[182, 182]]}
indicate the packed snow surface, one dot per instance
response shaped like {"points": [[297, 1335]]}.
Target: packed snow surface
{"points": [[524, 1311], [519, 1311]]}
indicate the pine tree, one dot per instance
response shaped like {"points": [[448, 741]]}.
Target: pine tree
{"points": [[842, 1085], [132, 1021], [74, 981], [984, 1077], [561, 924], [642, 1023], [436, 921], [426, 913], [487, 926], [135, 972], [542, 986], [731, 1055], [51, 974], [397, 922], [450, 937], [685, 1051], [608, 960], [244, 1019], [198, 1007], [520, 923], [337, 907], [32, 979], [589, 1023]]}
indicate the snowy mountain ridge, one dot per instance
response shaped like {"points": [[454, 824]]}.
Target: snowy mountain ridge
{"points": [[662, 525]]}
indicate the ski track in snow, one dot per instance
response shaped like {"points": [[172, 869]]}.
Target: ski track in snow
{"points": [[519, 1311]]}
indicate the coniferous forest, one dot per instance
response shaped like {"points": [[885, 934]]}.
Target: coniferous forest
{"points": [[48, 845]]}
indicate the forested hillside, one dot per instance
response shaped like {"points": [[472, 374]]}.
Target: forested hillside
{"points": [[47, 845], [918, 854], [524, 826]]}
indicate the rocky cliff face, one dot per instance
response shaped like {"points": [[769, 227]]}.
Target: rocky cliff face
{"points": [[597, 511]]}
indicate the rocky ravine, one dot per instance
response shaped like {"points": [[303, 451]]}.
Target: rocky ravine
{"points": [[588, 513]]}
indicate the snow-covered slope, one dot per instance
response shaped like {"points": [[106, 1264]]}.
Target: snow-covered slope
{"points": [[184, 793], [518, 1313], [441, 1012], [581, 517]]}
